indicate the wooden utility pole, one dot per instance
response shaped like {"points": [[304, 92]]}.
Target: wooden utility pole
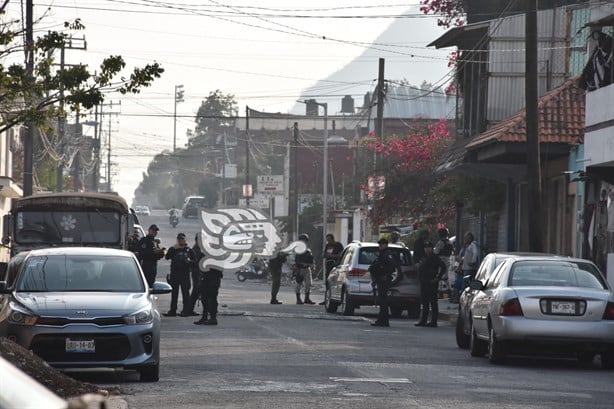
{"points": [[381, 93], [293, 208], [28, 145], [534, 193]]}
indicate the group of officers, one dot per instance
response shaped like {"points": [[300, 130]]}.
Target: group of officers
{"points": [[185, 274]]}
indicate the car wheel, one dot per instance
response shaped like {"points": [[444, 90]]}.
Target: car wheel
{"points": [[347, 307], [477, 347], [497, 350], [413, 311], [330, 305], [607, 359], [150, 373], [396, 312], [462, 339], [241, 277]]}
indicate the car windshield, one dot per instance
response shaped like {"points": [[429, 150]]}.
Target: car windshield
{"points": [[555, 273], [66, 273], [368, 254]]}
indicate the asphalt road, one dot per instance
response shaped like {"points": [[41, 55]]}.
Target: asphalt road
{"points": [[290, 356]]}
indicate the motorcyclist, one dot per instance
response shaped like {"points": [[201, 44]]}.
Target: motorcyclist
{"points": [[173, 214]]}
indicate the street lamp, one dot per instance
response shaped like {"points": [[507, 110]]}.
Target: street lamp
{"points": [[178, 98]]}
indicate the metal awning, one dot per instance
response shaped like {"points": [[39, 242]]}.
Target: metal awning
{"points": [[470, 33]]}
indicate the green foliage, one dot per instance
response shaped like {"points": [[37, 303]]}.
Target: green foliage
{"points": [[211, 118]]}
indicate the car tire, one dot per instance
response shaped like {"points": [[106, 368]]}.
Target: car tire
{"points": [[241, 277], [150, 373], [396, 312], [329, 304], [477, 347], [497, 350], [462, 339], [607, 359], [347, 307]]}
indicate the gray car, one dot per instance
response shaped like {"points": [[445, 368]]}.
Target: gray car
{"points": [[349, 283], [84, 307], [544, 305]]}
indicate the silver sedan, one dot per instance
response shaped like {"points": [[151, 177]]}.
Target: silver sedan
{"points": [[84, 307], [544, 305]]}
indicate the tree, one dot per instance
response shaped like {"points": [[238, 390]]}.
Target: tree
{"points": [[35, 98], [213, 118]]}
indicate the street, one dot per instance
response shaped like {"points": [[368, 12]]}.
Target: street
{"points": [[291, 356]]}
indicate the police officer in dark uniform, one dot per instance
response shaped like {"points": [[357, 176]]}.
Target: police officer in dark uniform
{"points": [[275, 266], [148, 252], [196, 276], [381, 276], [430, 270], [181, 257], [210, 288]]}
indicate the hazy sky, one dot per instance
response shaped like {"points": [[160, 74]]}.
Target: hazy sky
{"points": [[263, 52]]}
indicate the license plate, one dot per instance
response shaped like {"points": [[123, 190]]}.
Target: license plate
{"points": [[80, 345], [563, 307]]}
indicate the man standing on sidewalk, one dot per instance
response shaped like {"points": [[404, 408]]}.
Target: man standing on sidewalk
{"points": [[430, 270]]}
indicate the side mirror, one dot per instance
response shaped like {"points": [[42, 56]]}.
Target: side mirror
{"points": [[476, 285], [160, 287]]}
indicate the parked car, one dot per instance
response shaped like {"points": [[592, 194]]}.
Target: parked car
{"points": [[350, 281], [487, 266], [84, 307], [543, 305], [142, 210], [191, 205]]}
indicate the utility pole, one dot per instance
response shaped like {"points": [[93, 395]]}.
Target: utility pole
{"points": [[28, 148], [95, 181], [62, 115], [110, 113], [178, 98], [247, 191], [381, 93], [293, 205], [534, 196]]}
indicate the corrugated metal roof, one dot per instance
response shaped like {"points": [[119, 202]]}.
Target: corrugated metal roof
{"points": [[410, 102], [561, 119]]}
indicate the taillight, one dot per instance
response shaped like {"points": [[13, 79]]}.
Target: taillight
{"points": [[511, 307], [609, 311], [357, 272]]}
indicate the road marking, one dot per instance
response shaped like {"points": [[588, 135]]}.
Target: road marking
{"points": [[378, 380]]}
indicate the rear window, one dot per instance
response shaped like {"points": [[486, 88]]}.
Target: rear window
{"points": [[368, 254], [558, 274]]}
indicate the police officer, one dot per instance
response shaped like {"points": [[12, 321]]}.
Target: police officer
{"points": [[303, 263], [275, 266], [381, 276], [430, 270], [196, 276], [181, 257], [149, 252], [210, 288]]}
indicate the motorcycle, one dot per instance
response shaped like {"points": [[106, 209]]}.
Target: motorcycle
{"points": [[173, 220], [254, 270]]}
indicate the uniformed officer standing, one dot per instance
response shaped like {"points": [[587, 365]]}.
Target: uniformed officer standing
{"points": [[381, 276], [430, 270], [303, 263], [181, 257], [149, 252]]}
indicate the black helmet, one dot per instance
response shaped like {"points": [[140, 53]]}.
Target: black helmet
{"points": [[443, 233], [304, 237]]}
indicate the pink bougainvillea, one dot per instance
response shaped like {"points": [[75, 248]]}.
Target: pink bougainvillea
{"points": [[452, 12]]}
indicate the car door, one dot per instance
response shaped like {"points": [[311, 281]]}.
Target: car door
{"points": [[468, 294], [339, 273], [482, 301]]}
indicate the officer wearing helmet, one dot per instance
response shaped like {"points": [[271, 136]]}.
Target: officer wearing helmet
{"points": [[303, 263]]}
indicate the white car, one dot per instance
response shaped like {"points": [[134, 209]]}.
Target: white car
{"points": [[142, 210]]}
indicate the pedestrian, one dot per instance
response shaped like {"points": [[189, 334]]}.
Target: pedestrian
{"points": [[181, 257], [210, 287], [470, 258], [430, 270], [381, 270], [303, 263], [133, 241], [275, 267], [332, 254], [196, 277], [149, 252], [423, 235], [444, 249]]}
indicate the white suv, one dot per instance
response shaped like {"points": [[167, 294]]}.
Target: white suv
{"points": [[350, 281]]}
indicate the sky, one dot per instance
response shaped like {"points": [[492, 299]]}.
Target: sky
{"points": [[264, 53]]}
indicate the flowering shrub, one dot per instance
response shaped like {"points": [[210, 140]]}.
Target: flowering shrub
{"points": [[452, 12]]}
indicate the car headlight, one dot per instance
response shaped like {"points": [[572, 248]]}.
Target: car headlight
{"points": [[141, 317], [20, 316]]}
